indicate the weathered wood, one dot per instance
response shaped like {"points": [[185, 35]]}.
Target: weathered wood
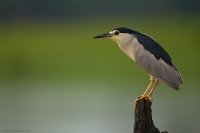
{"points": [[143, 118]]}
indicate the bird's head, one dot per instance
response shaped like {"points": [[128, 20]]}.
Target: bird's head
{"points": [[118, 34]]}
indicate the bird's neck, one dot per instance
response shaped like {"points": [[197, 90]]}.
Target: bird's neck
{"points": [[128, 47]]}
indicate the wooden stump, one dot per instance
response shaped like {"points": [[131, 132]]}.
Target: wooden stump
{"points": [[143, 118]]}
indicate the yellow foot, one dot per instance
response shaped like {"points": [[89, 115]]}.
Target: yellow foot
{"points": [[142, 97]]}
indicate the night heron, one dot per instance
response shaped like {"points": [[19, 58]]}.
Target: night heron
{"points": [[147, 54]]}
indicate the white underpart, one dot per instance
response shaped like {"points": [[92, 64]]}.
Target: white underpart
{"points": [[159, 69]]}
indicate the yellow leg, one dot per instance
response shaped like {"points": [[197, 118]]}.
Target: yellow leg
{"points": [[152, 90], [149, 86], [152, 80]]}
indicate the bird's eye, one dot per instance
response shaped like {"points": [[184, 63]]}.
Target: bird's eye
{"points": [[116, 32]]}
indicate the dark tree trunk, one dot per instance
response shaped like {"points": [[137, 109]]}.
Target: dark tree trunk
{"points": [[143, 118]]}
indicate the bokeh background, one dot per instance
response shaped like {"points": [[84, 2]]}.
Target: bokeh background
{"points": [[54, 77]]}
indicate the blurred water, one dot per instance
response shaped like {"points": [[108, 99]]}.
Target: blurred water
{"points": [[88, 108]]}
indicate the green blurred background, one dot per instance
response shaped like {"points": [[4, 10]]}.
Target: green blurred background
{"points": [[54, 77]]}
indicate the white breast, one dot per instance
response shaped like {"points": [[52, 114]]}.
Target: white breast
{"points": [[157, 68], [130, 46]]}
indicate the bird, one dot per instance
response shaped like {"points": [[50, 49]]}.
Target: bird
{"points": [[148, 55]]}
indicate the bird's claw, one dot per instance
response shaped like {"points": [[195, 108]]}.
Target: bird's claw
{"points": [[147, 97]]}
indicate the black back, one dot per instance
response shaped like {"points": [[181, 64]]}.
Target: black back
{"points": [[149, 44]]}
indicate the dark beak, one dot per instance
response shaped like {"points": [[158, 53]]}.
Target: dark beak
{"points": [[103, 35]]}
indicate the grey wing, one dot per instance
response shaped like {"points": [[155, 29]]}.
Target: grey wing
{"points": [[158, 68]]}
